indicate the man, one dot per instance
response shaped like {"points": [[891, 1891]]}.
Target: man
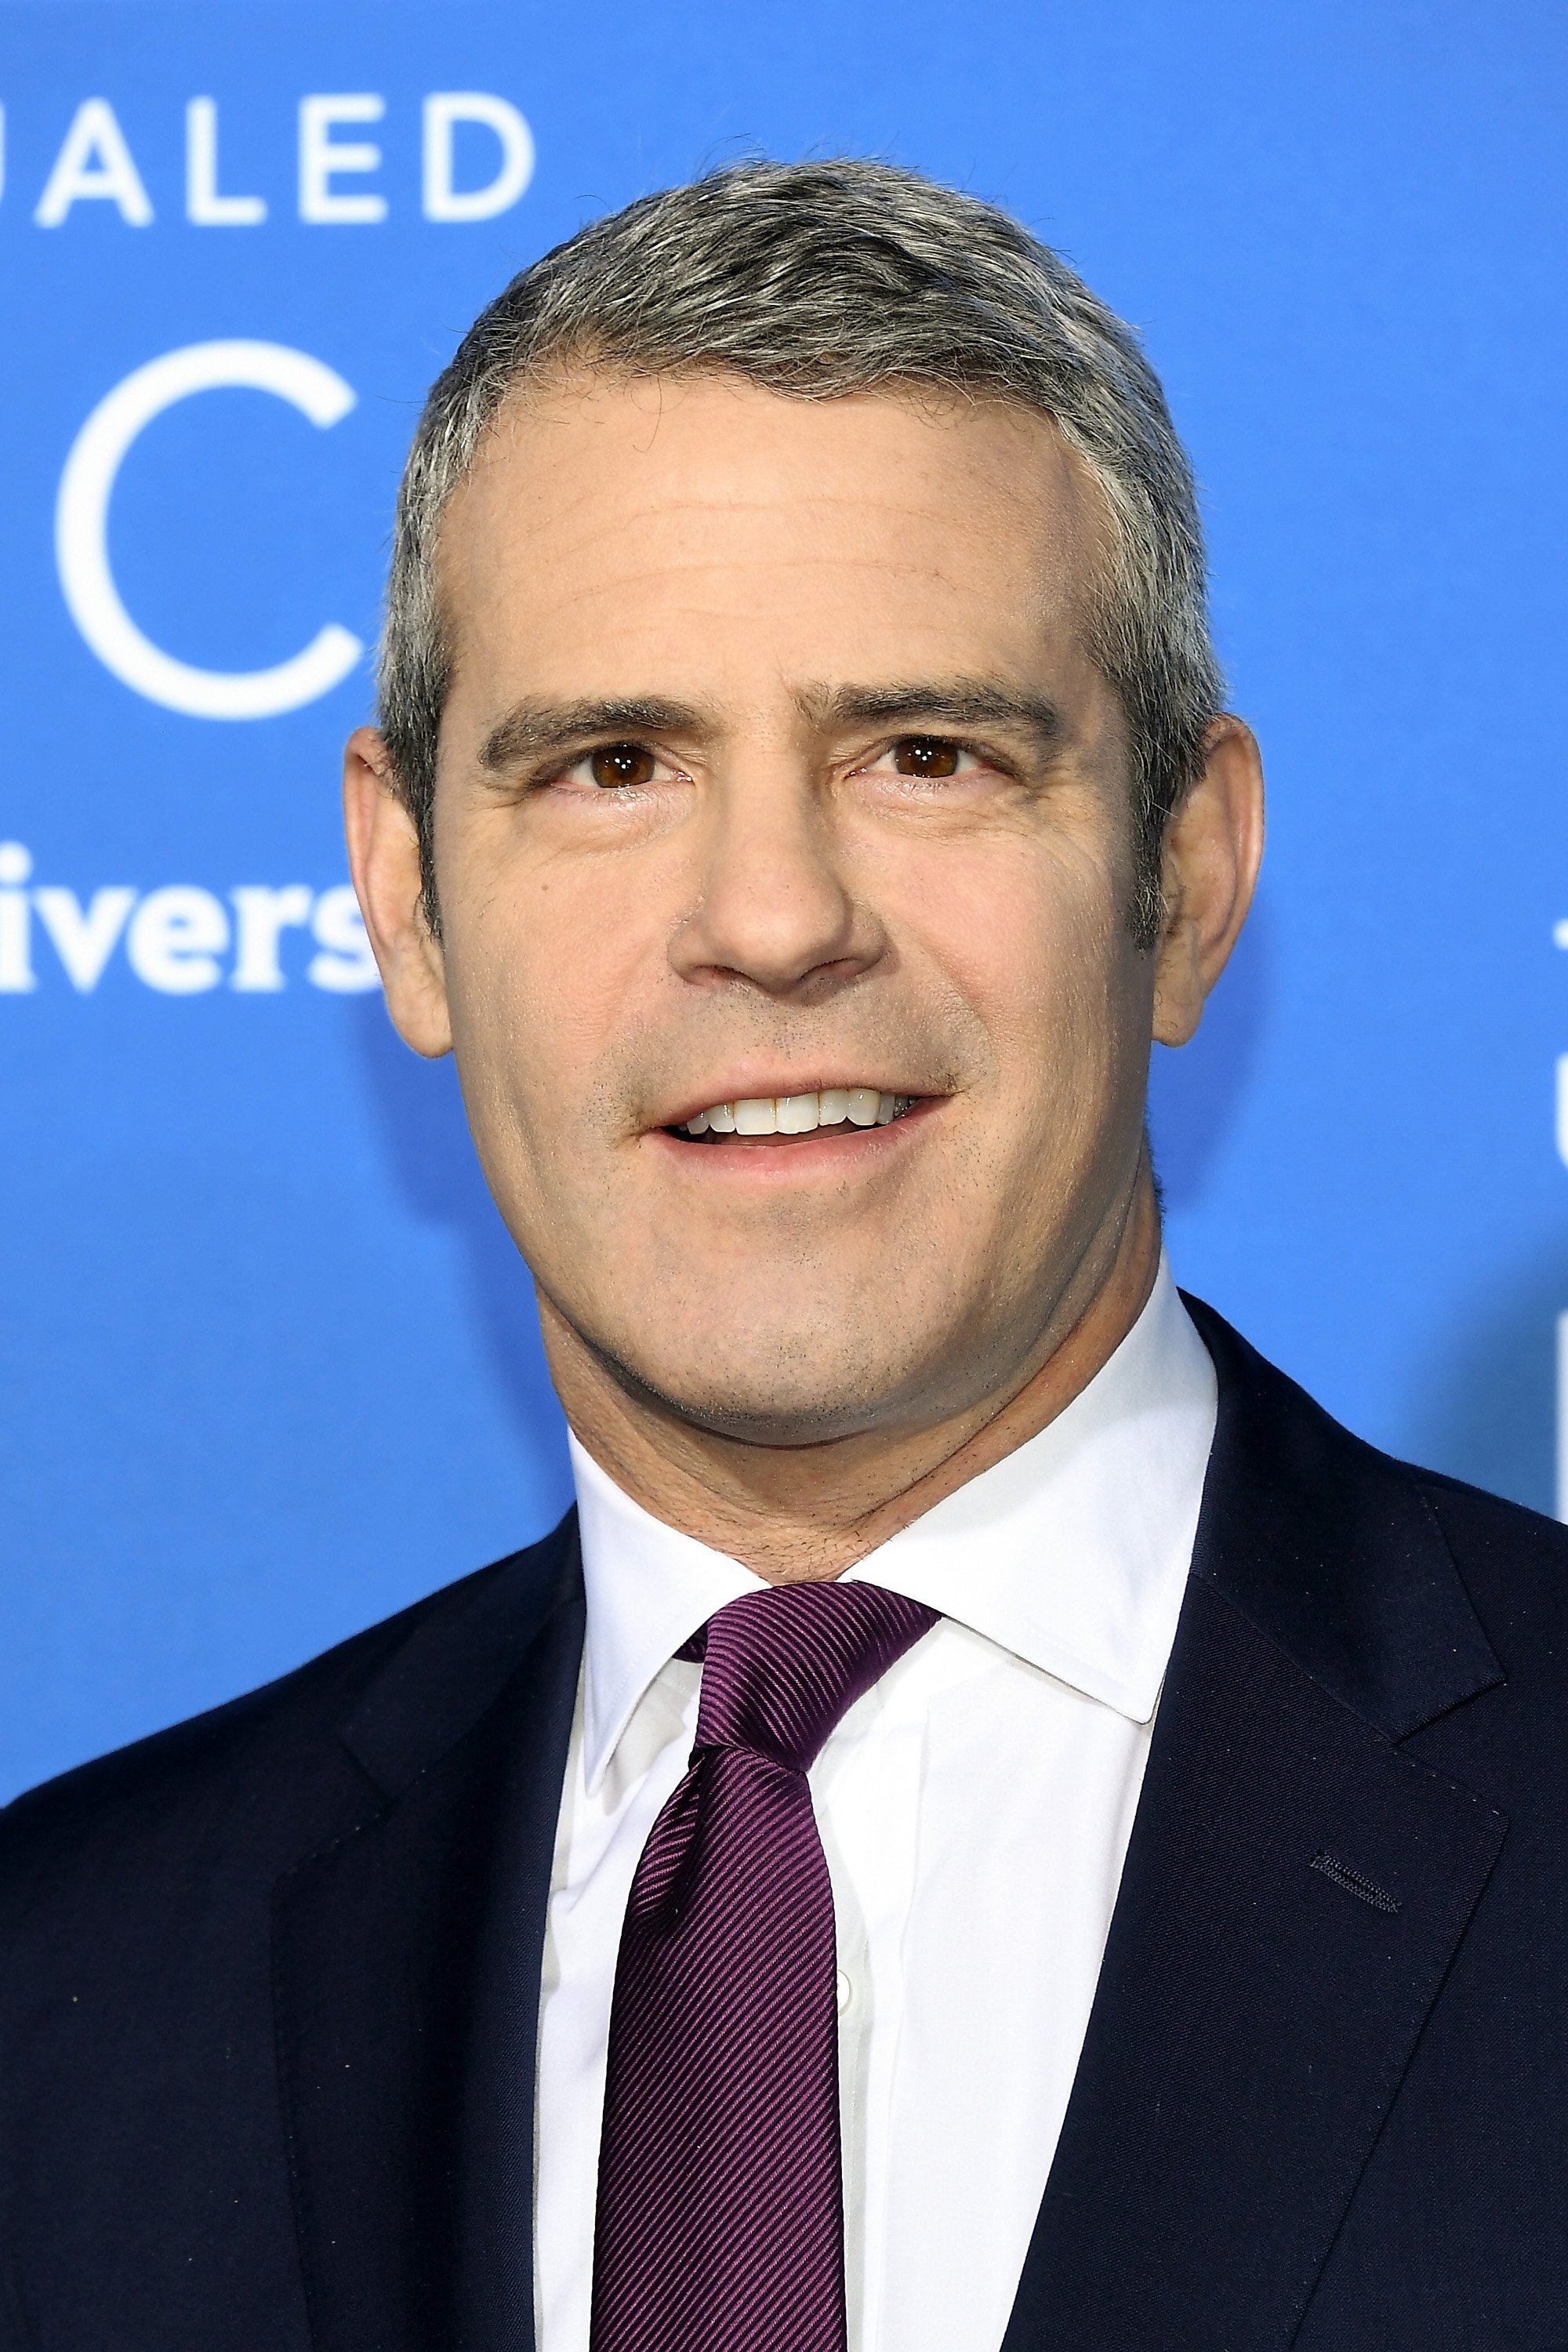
{"points": [[995, 1824]]}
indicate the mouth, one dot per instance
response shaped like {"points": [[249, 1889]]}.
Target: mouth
{"points": [[787, 1118]]}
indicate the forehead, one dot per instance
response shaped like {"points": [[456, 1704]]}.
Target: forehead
{"points": [[704, 524]]}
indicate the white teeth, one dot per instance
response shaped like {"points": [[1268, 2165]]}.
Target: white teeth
{"points": [[800, 1113]]}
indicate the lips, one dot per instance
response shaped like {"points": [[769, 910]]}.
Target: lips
{"points": [[800, 1114]]}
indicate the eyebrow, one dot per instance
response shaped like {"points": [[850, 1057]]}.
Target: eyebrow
{"points": [[534, 728], [944, 702]]}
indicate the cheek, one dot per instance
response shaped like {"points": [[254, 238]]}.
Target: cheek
{"points": [[1049, 968], [545, 976], [1035, 939]]}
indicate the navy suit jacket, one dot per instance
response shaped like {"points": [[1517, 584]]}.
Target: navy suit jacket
{"points": [[270, 1981]]}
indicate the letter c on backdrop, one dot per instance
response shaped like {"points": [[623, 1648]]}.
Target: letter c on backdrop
{"points": [[81, 531]]}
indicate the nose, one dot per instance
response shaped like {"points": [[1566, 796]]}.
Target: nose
{"points": [[776, 908]]}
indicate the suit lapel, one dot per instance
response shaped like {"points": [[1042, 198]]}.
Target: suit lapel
{"points": [[1295, 1889], [407, 1968]]}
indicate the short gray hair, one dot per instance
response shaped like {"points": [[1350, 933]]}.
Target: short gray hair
{"points": [[816, 280]]}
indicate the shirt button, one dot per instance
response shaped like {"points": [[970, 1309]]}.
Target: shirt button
{"points": [[842, 1986]]}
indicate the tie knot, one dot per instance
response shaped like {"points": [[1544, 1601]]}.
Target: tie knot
{"points": [[783, 1665]]}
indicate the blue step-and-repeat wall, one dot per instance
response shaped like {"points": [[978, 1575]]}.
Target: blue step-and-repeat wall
{"points": [[270, 1367]]}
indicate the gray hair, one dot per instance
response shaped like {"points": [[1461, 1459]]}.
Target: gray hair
{"points": [[816, 280]]}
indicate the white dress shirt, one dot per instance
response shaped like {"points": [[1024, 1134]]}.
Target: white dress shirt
{"points": [[974, 1806]]}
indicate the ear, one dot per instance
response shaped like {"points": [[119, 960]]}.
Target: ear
{"points": [[383, 858], [1213, 846]]}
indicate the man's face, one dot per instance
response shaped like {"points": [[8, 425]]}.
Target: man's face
{"points": [[774, 766]]}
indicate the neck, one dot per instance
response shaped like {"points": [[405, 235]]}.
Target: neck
{"points": [[804, 1513]]}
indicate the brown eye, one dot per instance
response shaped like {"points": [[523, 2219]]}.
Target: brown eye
{"points": [[925, 755], [621, 763]]}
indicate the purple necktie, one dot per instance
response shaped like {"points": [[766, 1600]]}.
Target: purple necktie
{"points": [[721, 2223]]}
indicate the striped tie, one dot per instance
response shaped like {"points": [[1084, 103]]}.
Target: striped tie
{"points": [[720, 2221]]}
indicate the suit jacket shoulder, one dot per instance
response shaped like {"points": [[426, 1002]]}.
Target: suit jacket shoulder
{"points": [[147, 2183], [1406, 1590], [276, 1758], [1514, 1562]]}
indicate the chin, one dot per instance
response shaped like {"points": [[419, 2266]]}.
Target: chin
{"points": [[789, 1387], [779, 1421]]}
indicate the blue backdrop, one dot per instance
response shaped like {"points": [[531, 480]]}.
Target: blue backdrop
{"points": [[269, 1365]]}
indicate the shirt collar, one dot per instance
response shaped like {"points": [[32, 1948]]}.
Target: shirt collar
{"points": [[649, 1589], [1072, 1552]]}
